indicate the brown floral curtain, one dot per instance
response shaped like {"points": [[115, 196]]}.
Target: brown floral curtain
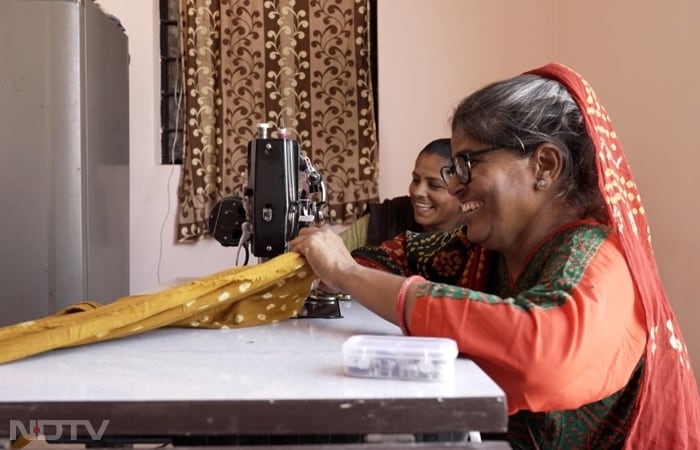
{"points": [[303, 63]]}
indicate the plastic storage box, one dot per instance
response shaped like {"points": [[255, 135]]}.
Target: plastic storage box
{"points": [[400, 357]]}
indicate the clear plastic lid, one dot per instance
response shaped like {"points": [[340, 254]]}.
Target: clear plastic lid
{"points": [[399, 357]]}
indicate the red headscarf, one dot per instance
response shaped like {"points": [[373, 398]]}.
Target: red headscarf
{"points": [[668, 407]]}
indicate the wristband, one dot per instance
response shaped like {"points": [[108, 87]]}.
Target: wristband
{"points": [[401, 300]]}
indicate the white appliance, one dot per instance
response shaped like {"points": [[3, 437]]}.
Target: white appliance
{"points": [[64, 157]]}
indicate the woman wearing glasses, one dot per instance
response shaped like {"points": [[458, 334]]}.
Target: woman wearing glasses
{"points": [[551, 286]]}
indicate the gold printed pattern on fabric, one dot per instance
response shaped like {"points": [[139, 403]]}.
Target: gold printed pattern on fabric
{"points": [[243, 296], [302, 63], [617, 188]]}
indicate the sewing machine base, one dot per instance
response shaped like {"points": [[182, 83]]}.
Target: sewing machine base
{"points": [[321, 305]]}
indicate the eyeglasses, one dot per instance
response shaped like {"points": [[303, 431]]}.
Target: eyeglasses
{"points": [[462, 165]]}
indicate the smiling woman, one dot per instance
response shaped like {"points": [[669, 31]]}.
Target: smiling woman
{"points": [[429, 207], [551, 285], [434, 209]]}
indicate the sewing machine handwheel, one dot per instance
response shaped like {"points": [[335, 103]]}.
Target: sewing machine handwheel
{"points": [[226, 219]]}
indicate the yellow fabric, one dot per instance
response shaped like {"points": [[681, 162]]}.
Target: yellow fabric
{"points": [[20, 442], [243, 296]]}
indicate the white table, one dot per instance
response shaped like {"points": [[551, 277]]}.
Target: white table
{"points": [[283, 378]]}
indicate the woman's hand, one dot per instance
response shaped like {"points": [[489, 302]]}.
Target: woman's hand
{"points": [[332, 263], [326, 253]]}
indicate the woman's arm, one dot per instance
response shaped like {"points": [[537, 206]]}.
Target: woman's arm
{"points": [[364, 274]]}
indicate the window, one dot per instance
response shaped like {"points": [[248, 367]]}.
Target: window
{"points": [[171, 114]]}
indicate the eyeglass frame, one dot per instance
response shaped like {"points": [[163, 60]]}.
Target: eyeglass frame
{"points": [[465, 156]]}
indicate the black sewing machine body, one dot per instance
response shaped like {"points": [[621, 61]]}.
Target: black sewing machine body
{"points": [[273, 192], [283, 193]]}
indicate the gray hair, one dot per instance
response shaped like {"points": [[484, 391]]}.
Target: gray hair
{"points": [[523, 112]]}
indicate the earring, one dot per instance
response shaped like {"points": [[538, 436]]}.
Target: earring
{"points": [[541, 185]]}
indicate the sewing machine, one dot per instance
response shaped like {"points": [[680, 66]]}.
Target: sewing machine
{"points": [[283, 193]]}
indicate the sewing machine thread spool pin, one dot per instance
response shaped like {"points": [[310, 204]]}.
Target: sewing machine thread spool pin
{"points": [[262, 130]]}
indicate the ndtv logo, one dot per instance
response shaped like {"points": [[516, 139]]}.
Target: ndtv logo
{"points": [[53, 429]]}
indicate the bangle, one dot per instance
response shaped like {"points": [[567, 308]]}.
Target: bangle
{"points": [[401, 300]]}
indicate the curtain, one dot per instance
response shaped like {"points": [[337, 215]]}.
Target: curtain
{"points": [[301, 63]]}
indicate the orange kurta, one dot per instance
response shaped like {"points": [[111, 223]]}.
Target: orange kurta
{"points": [[545, 354]]}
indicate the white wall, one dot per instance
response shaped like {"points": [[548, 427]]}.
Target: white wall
{"points": [[641, 57], [434, 53]]}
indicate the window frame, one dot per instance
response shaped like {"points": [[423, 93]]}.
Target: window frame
{"points": [[171, 112]]}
